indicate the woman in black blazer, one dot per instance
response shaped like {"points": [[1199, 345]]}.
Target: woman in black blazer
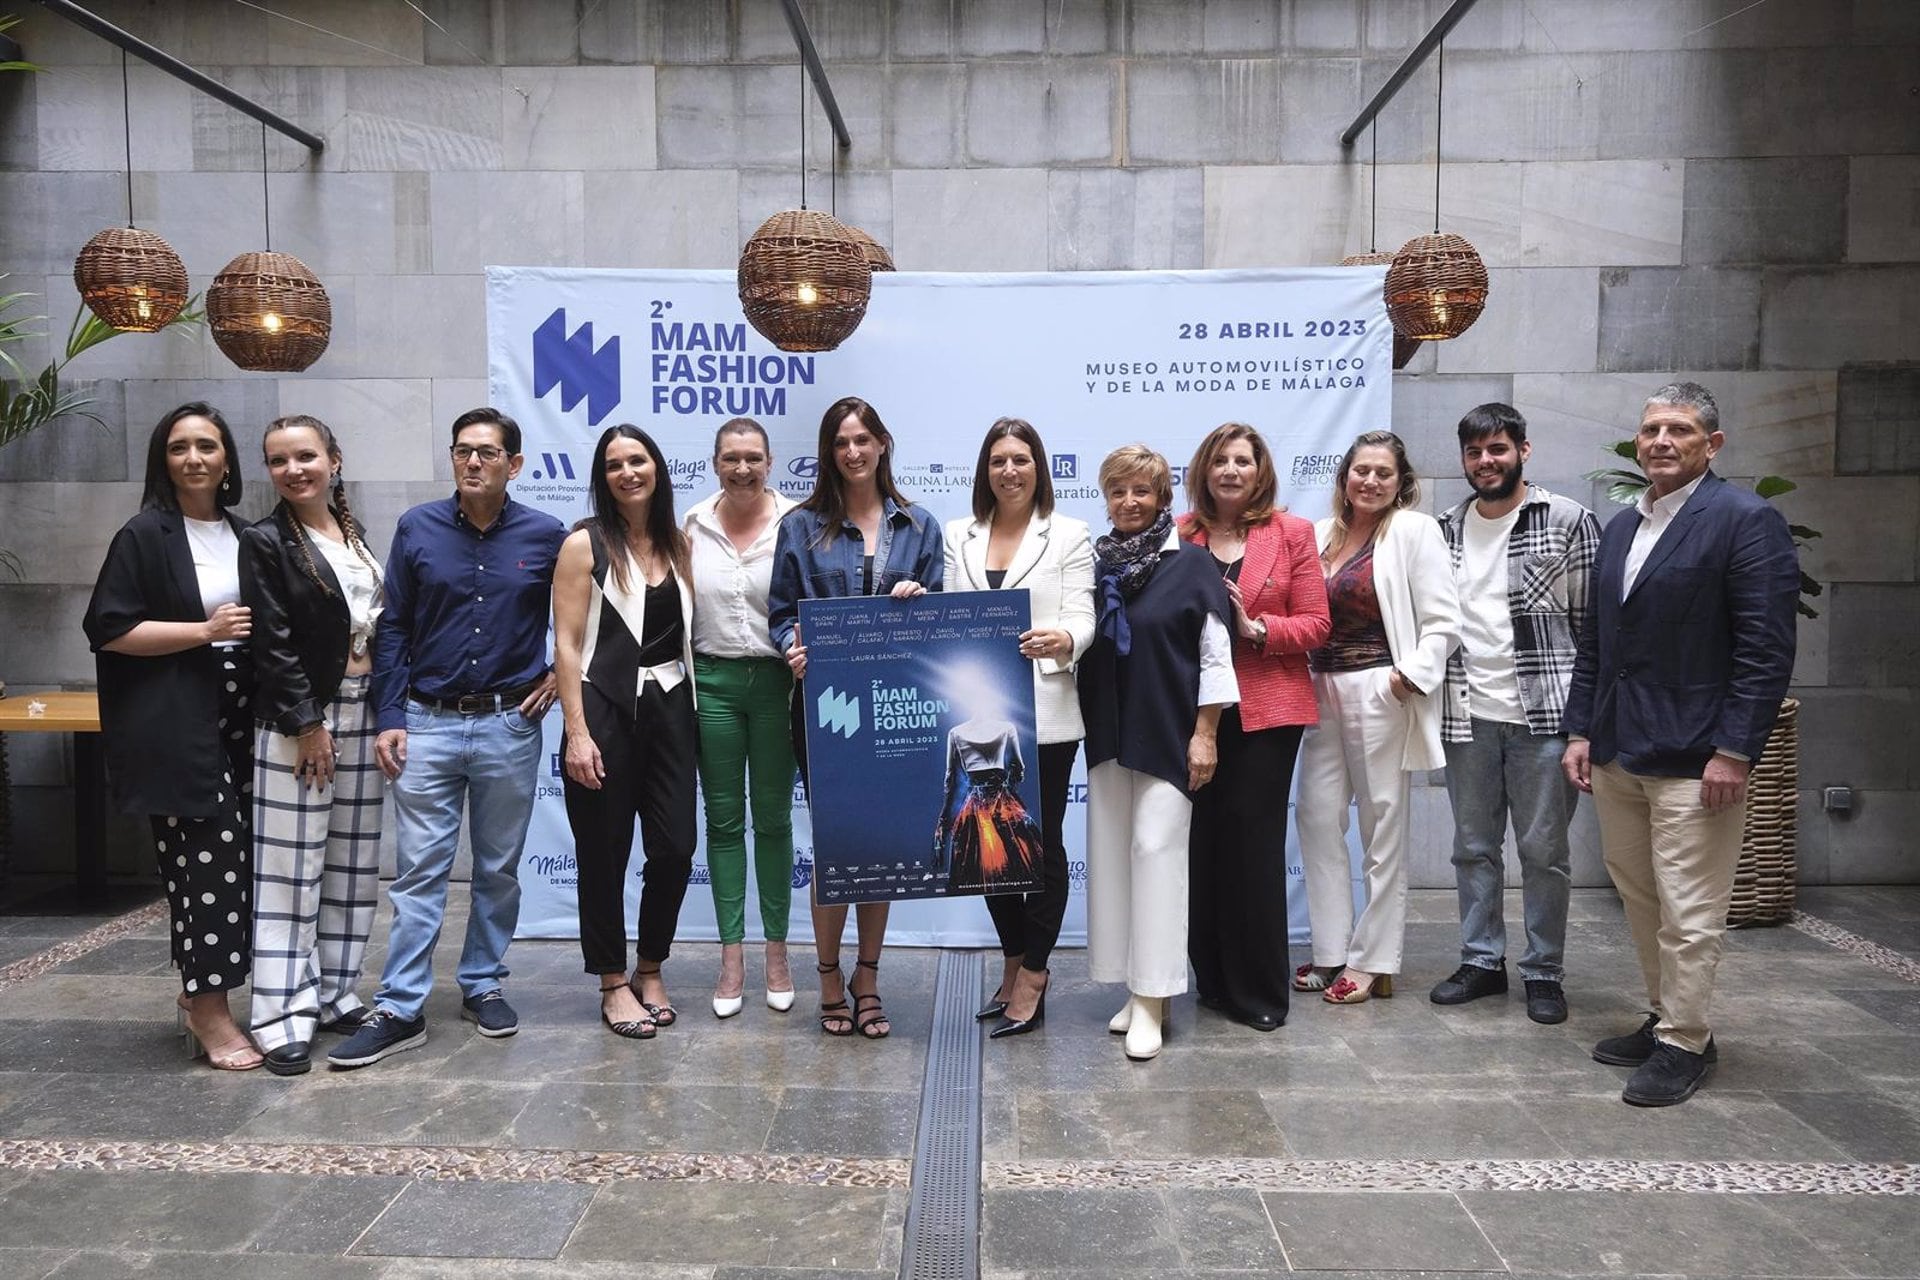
{"points": [[169, 635], [315, 591]]}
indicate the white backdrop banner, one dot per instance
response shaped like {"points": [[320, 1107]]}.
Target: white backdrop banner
{"points": [[1094, 360]]}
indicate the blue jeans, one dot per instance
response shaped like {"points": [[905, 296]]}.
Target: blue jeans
{"points": [[487, 764], [1507, 770]]}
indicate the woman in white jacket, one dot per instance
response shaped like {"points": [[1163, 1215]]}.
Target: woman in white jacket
{"points": [[1015, 540], [1396, 617]]}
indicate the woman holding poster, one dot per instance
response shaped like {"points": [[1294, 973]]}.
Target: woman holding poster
{"points": [[1396, 617], [1015, 540], [855, 535], [746, 751], [1152, 688], [623, 654], [1236, 936]]}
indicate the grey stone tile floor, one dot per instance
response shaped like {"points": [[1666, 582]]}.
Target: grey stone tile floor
{"points": [[1392, 1138]]}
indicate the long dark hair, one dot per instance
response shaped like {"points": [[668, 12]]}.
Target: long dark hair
{"points": [[1022, 430], [1407, 495], [350, 527], [829, 497], [159, 494], [662, 530]]}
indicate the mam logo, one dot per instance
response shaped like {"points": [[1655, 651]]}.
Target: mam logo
{"points": [[1066, 466], [838, 712], [553, 466], [571, 363]]}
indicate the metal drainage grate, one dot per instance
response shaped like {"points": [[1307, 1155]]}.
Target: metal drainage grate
{"points": [[943, 1202]]}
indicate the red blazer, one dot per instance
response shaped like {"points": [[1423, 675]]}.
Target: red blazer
{"points": [[1281, 585]]}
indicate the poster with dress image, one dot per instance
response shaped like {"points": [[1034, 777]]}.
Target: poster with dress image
{"points": [[920, 746]]}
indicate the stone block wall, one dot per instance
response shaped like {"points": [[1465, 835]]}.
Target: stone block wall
{"points": [[1659, 187]]}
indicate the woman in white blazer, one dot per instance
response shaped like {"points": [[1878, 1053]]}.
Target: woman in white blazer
{"points": [[1015, 540], [1377, 680]]}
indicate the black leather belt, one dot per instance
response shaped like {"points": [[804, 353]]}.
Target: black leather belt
{"points": [[476, 704]]}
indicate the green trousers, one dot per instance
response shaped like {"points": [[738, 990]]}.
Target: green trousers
{"points": [[746, 756]]}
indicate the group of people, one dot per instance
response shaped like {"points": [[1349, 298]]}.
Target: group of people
{"points": [[257, 681]]}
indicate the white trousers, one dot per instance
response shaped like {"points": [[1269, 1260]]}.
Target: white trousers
{"points": [[1354, 754], [1137, 828]]}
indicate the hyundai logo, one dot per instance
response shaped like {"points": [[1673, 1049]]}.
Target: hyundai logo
{"points": [[806, 467]]}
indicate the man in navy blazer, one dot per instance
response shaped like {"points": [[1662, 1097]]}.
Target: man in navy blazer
{"points": [[1683, 663]]}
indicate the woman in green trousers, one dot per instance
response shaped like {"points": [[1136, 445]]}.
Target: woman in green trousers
{"points": [[746, 751]]}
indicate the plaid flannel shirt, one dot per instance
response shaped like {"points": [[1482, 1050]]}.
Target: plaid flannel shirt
{"points": [[1550, 559]]}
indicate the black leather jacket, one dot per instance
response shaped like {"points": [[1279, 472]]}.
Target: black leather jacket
{"points": [[300, 633]]}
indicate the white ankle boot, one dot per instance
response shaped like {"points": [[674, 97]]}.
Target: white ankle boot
{"points": [[1120, 1021], [1145, 1016]]}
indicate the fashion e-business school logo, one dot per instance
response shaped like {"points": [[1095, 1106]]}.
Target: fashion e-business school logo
{"points": [[571, 363]]}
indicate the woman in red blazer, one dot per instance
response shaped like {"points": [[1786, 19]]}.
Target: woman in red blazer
{"points": [[1237, 853]]}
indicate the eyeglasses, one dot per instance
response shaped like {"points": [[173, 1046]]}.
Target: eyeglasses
{"points": [[485, 452]]}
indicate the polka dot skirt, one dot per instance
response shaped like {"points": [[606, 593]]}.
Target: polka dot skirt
{"points": [[206, 863]]}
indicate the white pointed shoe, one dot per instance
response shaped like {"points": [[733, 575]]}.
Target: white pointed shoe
{"points": [[780, 1001], [727, 1006]]}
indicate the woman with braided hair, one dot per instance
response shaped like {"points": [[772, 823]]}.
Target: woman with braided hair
{"points": [[314, 588]]}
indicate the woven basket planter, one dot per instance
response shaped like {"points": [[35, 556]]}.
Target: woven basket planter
{"points": [[1403, 346], [804, 281], [1763, 881], [269, 313], [132, 279], [878, 259], [1436, 287]]}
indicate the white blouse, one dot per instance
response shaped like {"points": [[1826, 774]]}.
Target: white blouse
{"points": [[215, 549], [360, 584], [730, 587]]}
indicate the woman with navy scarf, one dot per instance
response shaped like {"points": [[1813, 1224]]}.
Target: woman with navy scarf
{"points": [[1151, 689]]}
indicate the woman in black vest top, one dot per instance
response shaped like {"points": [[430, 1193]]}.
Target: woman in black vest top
{"points": [[1151, 691], [623, 653]]}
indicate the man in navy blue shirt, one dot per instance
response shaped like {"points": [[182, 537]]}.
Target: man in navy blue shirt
{"points": [[460, 683]]}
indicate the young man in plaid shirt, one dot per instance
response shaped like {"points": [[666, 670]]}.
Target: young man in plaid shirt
{"points": [[1522, 558]]}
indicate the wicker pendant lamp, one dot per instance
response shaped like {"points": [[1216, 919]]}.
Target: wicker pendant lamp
{"points": [[130, 278], [878, 259], [1403, 346], [804, 276], [804, 281], [1437, 285], [268, 312]]}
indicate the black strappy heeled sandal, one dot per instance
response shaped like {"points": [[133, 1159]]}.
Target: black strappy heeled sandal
{"points": [[663, 1015], [835, 1019], [866, 1017], [629, 1029]]}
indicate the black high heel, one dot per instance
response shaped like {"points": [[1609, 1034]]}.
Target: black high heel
{"points": [[1020, 1026], [991, 1009]]}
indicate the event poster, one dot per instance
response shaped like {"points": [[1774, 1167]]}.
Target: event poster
{"points": [[921, 750], [1094, 359]]}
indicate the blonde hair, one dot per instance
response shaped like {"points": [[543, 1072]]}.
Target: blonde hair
{"points": [[1130, 460], [1408, 494]]}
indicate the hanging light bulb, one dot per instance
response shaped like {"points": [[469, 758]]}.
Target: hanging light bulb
{"points": [[805, 294]]}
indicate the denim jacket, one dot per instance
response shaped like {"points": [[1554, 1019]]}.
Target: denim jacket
{"points": [[910, 550]]}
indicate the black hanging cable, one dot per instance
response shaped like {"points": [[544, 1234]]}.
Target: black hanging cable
{"points": [[1373, 231], [803, 135], [1439, 107], [126, 119], [266, 196], [833, 190]]}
